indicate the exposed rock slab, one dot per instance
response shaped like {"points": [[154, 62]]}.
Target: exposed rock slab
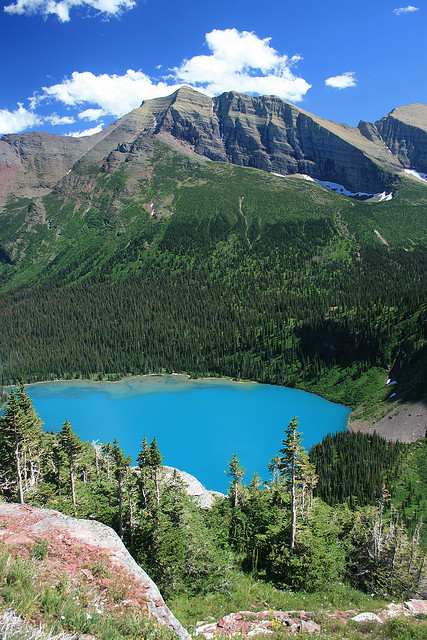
{"points": [[367, 616], [203, 498], [35, 524], [404, 131]]}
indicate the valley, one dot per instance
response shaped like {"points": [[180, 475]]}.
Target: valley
{"points": [[166, 243]]}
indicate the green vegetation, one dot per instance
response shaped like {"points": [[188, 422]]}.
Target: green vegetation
{"points": [[253, 277], [267, 544], [64, 605]]}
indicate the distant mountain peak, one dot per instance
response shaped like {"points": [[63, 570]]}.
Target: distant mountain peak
{"points": [[262, 132]]}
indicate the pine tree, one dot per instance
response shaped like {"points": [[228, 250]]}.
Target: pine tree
{"points": [[73, 448], [155, 460], [236, 473], [121, 468], [20, 432], [144, 476], [289, 467]]}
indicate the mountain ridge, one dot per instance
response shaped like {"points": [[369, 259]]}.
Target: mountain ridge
{"points": [[263, 132]]}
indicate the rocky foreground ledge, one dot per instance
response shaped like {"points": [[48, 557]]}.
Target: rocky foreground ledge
{"points": [[251, 623], [74, 544]]}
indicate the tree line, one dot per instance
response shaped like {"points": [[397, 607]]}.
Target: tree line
{"points": [[266, 316]]}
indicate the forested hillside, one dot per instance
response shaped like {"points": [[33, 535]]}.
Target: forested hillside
{"points": [[217, 270]]}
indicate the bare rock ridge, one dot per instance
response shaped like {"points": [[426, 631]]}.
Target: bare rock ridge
{"points": [[404, 131], [201, 496], [24, 526], [263, 132]]}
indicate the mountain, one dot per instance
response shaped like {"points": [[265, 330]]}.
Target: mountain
{"points": [[197, 235], [404, 131], [261, 132]]}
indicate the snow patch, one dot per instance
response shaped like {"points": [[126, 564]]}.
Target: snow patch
{"points": [[339, 188], [416, 174], [385, 197]]}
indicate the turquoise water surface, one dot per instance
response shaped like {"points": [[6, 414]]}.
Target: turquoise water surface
{"points": [[198, 424]]}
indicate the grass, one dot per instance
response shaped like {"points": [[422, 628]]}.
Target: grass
{"points": [[246, 593], [31, 596]]}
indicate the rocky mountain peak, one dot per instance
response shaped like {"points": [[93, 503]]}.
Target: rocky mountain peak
{"points": [[404, 131], [263, 132]]}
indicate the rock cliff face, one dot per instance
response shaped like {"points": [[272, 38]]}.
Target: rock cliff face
{"points": [[404, 131], [201, 496], [262, 132], [24, 526], [273, 135], [32, 163]]}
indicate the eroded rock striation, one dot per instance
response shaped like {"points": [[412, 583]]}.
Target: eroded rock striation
{"points": [[404, 131], [263, 132]]}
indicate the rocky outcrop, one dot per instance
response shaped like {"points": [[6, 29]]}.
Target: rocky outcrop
{"points": [[24, 526], [264, 132], [251, 623], [271, 134], [404, 131], [202, 497], [32, 163]]}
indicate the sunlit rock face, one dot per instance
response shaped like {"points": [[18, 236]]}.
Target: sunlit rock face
{"points": [[404, 131], [263, 132]]}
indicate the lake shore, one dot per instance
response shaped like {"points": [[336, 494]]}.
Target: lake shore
{"points": [[405, 422], [199, 424]]}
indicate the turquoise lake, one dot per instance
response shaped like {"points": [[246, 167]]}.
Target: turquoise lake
{"points": [[198, 424]]}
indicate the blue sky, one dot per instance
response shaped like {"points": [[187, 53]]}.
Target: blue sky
{"points": [[73, 66]]}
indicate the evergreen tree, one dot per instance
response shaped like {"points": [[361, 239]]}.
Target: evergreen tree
{"points": [[155, 461], [20, 433], [144, 478], [73, 448], [236, 473], [290, 465], [121, 468]]}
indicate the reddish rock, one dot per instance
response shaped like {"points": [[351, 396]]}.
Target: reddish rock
{"points": [[131, 603], [106, 581], [88, 574], [417, 606], [308, 626]]}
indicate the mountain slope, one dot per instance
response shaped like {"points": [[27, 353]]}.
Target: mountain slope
{"points": [[155, 251], [404, 131]]}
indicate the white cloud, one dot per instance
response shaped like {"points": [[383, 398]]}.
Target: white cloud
{"points": [[86, 132], [343, 81], [243, 62], [91, 114], [114, 95], [57, 120], [403, 10], [19, 120], [62, 8], [238, 60]]}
